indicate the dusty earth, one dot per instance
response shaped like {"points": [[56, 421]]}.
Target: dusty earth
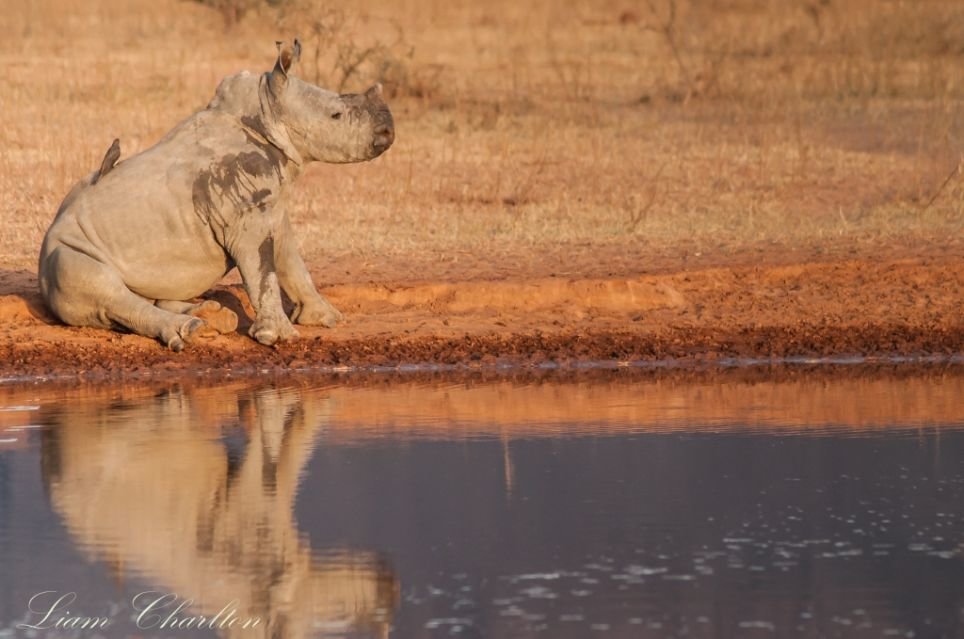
{"points": [[572, 305]]}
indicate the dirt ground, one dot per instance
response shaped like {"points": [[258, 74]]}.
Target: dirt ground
{"points": [[579, 305], [619, 181]]}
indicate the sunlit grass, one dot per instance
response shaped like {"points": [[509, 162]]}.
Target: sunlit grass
{"points": [[521, 126]]}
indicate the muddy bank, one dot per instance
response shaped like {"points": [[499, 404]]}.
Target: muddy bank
{"points": [[865, 307]]}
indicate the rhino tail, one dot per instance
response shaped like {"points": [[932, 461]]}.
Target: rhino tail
{"points": [[110, 159]]}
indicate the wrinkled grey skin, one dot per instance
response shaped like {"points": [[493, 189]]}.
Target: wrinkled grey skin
{"points": [[135, 242]]}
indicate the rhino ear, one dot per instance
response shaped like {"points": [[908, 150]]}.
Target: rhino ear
{"points": [[374, 92], [282, 67]]}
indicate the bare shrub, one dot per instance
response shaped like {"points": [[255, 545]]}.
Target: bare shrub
{"points": [[344, 50], [234, 10]]}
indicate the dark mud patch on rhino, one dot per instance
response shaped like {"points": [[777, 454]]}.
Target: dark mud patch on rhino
{"points": [[237, 181], [258, 198], [253, 124], [266, 261]]}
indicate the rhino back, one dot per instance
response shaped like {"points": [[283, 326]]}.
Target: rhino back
{"points": [[167, 209]]}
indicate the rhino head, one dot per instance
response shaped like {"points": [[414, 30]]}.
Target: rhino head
{"points": [[309, 123]]}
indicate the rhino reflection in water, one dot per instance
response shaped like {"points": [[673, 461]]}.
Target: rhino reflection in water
{"points": [[150, 488]]}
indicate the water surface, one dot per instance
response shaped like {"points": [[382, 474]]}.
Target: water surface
{"points": [[810, 504]]}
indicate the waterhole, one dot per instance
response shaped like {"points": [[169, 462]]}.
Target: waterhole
{"points": [[803, 503]]}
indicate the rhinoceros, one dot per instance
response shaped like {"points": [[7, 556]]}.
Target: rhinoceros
{"points": [[135, 243]]}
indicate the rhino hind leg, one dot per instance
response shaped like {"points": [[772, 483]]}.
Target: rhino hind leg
{"points": [[218, 319], [82, 291]]}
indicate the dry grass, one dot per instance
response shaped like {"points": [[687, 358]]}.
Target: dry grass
{"points": [[524, 125]]}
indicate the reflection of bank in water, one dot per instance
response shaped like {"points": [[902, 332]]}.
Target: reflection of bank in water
{"points": [[786, 400], [154, 489]]}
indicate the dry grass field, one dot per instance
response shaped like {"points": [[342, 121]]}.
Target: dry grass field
{"points": [[586, 139], [529, 125]]}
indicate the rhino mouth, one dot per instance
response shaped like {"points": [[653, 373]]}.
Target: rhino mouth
{"points": [[383, 137]]}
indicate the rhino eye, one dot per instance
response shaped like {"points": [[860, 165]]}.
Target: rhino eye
{"points": [[336, 116]]}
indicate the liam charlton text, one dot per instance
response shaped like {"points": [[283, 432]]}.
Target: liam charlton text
{"points": [[51, 610]]}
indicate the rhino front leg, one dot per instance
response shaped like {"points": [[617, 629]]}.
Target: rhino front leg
{"points": [[311, 307], [257, 266]]}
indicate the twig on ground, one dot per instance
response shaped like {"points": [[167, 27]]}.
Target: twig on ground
{"points": [[940, 189]]}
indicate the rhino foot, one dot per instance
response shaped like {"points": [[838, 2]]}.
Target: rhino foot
{"points": [[219, 320], [185, 334], [317, 314], [268, 333]]}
